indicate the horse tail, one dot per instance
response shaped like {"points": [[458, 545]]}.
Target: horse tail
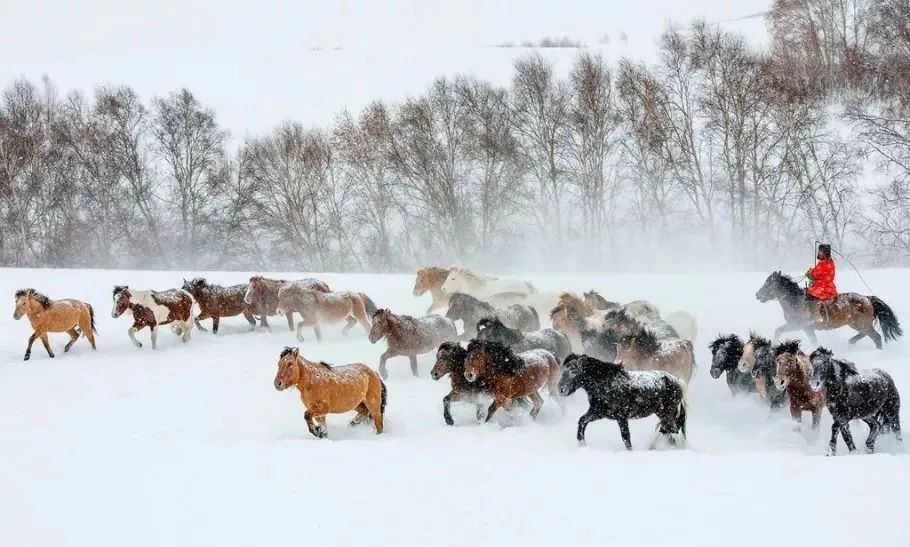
{"points": [[536, 317], [383, 397], [91, 317], [889, 415], [891, 327], [683, 410], [368, 304]]}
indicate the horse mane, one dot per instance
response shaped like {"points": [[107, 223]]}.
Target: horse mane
{"points": [[848, 367], [502, 357], [459, 359], [623, 316], [787, 346], [573, 303], [758, 340], [286, 351], [460, 297], [381, 311], [39, 297], [434, 271], [787, 283], [471, 275], [726, 339], [602, 369], [645, 341], [326, 365]]}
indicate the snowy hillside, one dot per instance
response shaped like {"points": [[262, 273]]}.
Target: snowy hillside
{"points": [[193, 446]]}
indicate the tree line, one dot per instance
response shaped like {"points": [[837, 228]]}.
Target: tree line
{"points": [[716, 149]]}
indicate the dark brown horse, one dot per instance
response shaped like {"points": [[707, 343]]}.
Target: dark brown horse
{"points": [[848, 309], [793, 373], [411, 336], [217, 301], [262, 296]]}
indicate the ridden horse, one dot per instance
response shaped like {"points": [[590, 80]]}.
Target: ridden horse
{"points": [[431, 279], [726, 351], [493, 330], [411, 336], [262, 296], [325, 389], [73, 317], [471, 310], [217, 301], [153, 308], [593, 299], [618, 394], [793, 372], [643, 350], [758, 361], [512, 376], [482, 287], [868, 395], [847, 309], [322, 307]]}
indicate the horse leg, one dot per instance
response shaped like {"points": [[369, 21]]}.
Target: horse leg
{"points": [[875, 428], [876, 337], [216, 320], [47, 345], [290, 317], [537, 402], [452, 397], [413, 358], [363, 413], [373, 403], [300, 330], [132, 334], [848, 437], [349, 322], [816, 418], [852, 341], [74, 335], [624, 432], [583, 422], [810, 332], [251, 319], [317, 331], [832, 445], [28, 349], [85, 325], [154, 329], [198, 320], [263, 319], [313, 425], [383, 372], [494, 406]]}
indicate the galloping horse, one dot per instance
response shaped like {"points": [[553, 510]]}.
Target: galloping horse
{"points": [[431, 279], [48, 315], [848, 309]]}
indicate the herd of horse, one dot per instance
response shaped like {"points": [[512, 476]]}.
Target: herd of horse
{"points": [[630, 361]]}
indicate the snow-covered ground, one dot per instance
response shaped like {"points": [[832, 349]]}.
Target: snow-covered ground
{"points": [[192, 445]]}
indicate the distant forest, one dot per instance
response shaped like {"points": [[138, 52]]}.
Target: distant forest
{"points": [[717, 149]]}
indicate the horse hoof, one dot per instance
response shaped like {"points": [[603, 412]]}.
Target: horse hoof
{"points": [[27, 357], [52, 356], [582, 443]]}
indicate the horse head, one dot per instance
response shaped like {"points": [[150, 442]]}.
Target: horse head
{"points": [[380, 326], [288, 368], [768, 290], [450, 357], [752, 349], [725, 354], [121, 300], [787, 364], [254, 290]]}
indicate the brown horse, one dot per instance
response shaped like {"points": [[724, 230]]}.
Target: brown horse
{"points": [[570, 323], [216, 301], [645, 351], [581, 307], [321, 307], [70, 316], [153, 308], [325, 389], [512, 376], [793, 372], [431, 279], [411, 336], [262, 296]]}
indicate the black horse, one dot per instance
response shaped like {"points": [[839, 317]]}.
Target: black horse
{"points": [[868, 395], [848, 309], [618, 394], [492, 329], [726, 352], [471, 310]]}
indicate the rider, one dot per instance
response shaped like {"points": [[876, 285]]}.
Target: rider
{"points": [[821, 281]]}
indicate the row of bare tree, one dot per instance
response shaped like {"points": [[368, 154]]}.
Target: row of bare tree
{"points": [[717, 149]]}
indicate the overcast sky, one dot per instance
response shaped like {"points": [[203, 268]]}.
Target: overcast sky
{"points": [[258, 63]]}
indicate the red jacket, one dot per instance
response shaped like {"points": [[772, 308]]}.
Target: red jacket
{"points": [[822, 275]]}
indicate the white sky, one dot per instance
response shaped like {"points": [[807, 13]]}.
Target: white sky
{"points": [[256, 62]]}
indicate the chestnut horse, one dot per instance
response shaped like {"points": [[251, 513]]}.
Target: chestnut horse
{"points": [[216, 301], [153, 308], [262, 296], [512, 376], [431, 279], [325, 389], [321, 307], [793, 373], [70, 316], [411, 336]]}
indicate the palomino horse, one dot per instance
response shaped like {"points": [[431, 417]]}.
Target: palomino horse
{"points": [[512, 376], [483, 287], [431, 279], [618, 394], [262, 296], [793, 372], [153, 308], [217, 301], [848, 309], [325, 389], [411, 336], [321, 307], [70, 316]]}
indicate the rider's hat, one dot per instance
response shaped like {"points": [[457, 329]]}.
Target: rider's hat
{"points": [[825, 248]]}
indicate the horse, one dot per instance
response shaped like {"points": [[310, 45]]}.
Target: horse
{"points": [[726, 352], [465, 281], [644, 351], [325, 389], [847, 309], [793, 372], [217, 301], [512, 376], [471, 310], [642, 309], [493, 330], [593, 299], [624, 323], [153, 308], [317, 307], [575, 304], [758, 361], [73, 317], [621, 395], [571, 324], [684, 324], [431, 279], [411, 336], [868, 395], [262, 296]]}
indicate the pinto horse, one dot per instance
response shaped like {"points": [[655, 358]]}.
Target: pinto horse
{"points": [[431, 279], [847, 309], [411, 336], [325, 389], [217, 301], [153, 308], [262, 296], [73, 317]]}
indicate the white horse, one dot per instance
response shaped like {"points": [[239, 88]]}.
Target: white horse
{"points": [[483, 287]]}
